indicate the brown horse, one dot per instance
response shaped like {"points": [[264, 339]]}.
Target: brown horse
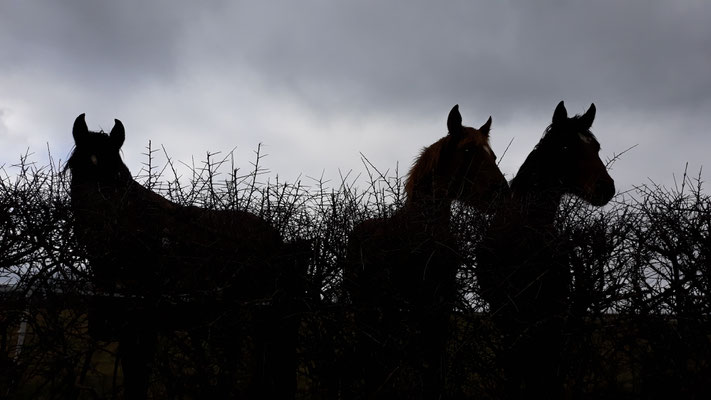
{"points": [[145, 247], [401, 271], [523, 269]]}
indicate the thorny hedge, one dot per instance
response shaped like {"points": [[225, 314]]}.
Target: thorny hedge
{"points": [[641, 267]]}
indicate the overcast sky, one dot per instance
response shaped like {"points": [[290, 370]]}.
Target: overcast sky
{"points": [[318, 82]]}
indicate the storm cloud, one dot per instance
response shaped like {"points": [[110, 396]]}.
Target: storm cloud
{"points": [[320, 81]]}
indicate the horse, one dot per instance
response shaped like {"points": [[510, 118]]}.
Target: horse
{"points": [[152, 251], [400, 274], [522, 263]]}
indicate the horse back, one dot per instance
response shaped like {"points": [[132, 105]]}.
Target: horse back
{"points": [[141, 242]]}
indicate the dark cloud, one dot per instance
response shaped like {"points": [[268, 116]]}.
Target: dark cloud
{"points": [[98, 43], [320, 81], [503, 54]]}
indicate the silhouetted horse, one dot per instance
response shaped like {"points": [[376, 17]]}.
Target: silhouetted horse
{"points": [[155, 252], [401, 271], [523, 267]]}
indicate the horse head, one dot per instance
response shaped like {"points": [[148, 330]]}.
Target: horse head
{"points": [[460, 166], [567, 160], [96, 155], [581, 171]]}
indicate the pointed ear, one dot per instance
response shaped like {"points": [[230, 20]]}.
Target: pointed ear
{"points": [[454, 120], [118, 134], [587, 119], [80, 130], [486, 128], [560, 114]]}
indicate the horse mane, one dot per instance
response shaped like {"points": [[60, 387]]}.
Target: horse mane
{"points": [[424, 164]]}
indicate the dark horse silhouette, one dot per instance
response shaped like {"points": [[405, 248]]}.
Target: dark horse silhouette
{"points": [[523, 269], [154, 252], [401, 271]]}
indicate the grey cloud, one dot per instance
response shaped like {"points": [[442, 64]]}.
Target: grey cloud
{"points": [[372, 54], [373, 63], [497, 57], [113, 44]]}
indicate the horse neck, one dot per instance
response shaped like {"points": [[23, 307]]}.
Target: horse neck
{"points": [[429, 207], [107, 187], [537, 196]]}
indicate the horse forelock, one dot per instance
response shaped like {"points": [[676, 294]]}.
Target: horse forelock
{"points": [[556, 133], [473, 136]]}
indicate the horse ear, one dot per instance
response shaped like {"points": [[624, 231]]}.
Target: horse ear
{"points": [[587, 118], [486, 128], [80, 131], [118, 134], [560, 114], [454, 120]]}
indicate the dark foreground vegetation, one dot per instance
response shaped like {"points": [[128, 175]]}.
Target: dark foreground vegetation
{"points": [[639, 325]]}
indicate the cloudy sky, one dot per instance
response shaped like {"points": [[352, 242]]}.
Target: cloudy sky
{"points": [[318, 82]]}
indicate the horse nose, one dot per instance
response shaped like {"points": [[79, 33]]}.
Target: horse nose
{"points": [[605, 189]]}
